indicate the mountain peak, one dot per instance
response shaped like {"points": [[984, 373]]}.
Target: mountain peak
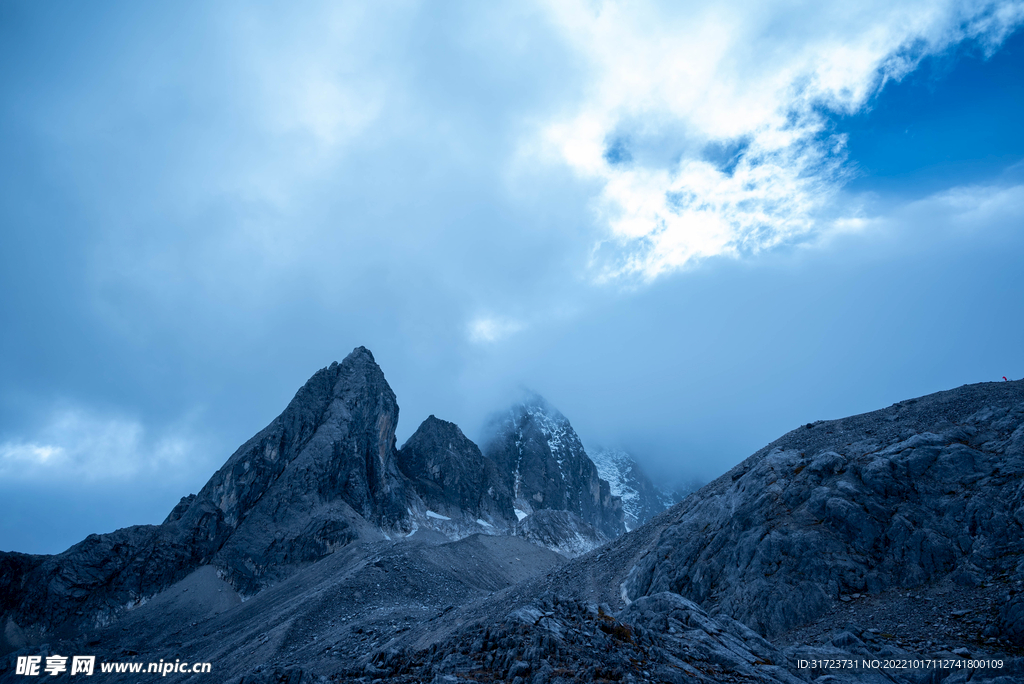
{"points": [[548, 467], [532, 402], [453, 478], [361, 352], [332, 451]]}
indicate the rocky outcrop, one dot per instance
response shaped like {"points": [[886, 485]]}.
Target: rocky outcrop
{"points": [[322, 474], [179, 509], [547, 467], [560, 531], [896, 498], [641, 499], [454, 480], [1011, 620]]}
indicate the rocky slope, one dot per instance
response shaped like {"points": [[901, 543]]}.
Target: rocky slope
{"points": [[322, 621], [894, 499], [548, 467]]}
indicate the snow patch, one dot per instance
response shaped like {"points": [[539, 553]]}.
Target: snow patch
{"points": [[437, 516], [520, 514], [628, 483], [483, 522]]}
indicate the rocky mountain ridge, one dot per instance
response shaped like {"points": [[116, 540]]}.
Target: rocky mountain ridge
{"points": [[457, 483], [323, 475], [896, 536], [891, 499]]}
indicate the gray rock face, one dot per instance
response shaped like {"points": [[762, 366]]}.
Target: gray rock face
{"points": [[560, 531], [890, 499], [1011, 620], [322, 474], [549, 469], [14, 569], [641, 499], [454, 479], [90, 583]]}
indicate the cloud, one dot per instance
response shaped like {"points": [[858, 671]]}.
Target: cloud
{"points": [[968, 207], [707, 126], [76, 445], [488, 329], [989, 210]]}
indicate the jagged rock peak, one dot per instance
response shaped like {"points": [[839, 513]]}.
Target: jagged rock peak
{"points": [[337, 395], [316, 478], [454, 479], [434, 429], [363, 352], [547, 466], [321, 475]]}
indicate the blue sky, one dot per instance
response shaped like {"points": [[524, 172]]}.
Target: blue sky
{"points": [[692, 227]]}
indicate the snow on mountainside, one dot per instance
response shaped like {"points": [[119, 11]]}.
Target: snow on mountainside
{"points": [[561, 438], [548, 466], [641, 499]]}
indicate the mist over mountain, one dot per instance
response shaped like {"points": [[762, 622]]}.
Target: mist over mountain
{"points": [[548, 466], [320, 552], [641, 498]]}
